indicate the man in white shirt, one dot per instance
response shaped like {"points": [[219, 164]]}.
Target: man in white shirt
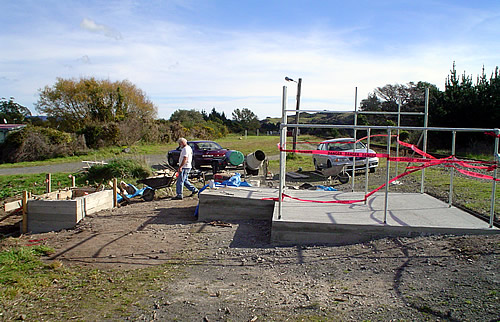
{"points": [[185, 161]]}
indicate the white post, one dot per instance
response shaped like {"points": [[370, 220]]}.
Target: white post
{"points": [[282, 153], [355, 138], [452, 173], [426, 120], [387, 175], [368, 133], [399, 124], [495, 176]]}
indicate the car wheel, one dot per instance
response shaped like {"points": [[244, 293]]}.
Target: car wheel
{"points": [[171, 161], [315, 165], [344, 177], [329, 164], [372, 170]]}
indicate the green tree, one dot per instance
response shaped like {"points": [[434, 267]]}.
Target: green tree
{"points": [[74, 103], [245, 119], [12, 112], [188, 118]]}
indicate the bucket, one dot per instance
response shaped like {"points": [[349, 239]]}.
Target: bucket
{"points": [[254, 160], [234, 157]]}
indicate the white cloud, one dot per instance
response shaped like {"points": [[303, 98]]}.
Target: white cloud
{"points": [[182, 66], [92, 26]]}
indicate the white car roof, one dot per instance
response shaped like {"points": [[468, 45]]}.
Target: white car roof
{"points": [[338, 140]]}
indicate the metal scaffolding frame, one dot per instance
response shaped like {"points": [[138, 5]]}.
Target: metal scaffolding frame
{"points": [[389, 130]]}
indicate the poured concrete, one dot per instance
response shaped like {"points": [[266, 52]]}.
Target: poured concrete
{"points": [[409, 214]]}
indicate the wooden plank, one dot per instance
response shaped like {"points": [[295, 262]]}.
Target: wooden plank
{"points": [[36, 227], [9, 206], [51, 206]]}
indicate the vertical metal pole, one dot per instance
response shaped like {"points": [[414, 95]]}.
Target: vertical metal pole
{"points": [[494, 184], [355, 138], [367, 170], [297, 108], [426, 121], [282, 153], [387, 174], [452, 173], [399, 124]]}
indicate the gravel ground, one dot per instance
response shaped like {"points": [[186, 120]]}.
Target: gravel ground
{"points": [[231, 272]]}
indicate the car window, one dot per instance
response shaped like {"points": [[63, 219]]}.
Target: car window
{"points": [[209, 146], [342, 146], [192, 145]]}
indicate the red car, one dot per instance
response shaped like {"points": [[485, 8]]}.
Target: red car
{"points": [[205, 153]]}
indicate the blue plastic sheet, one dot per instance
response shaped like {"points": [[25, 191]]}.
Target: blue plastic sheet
{"points": [[234, 181], [138, 192], [324, 188]]}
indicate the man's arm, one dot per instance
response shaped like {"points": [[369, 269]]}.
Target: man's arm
{"points": [[183, 162]]}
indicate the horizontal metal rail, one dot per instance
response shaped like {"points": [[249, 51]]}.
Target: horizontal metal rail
{"points": [[357, 112], [375, 127]]}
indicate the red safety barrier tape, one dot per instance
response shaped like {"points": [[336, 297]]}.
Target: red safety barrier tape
{"points": [[492, 134], [475, 174], [351, 201], [427, 162], [414, 148]]}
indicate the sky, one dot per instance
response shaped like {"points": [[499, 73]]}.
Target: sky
{"points": [[228, 54]]}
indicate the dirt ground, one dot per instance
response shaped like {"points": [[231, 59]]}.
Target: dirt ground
{"points": [[231, 271]]}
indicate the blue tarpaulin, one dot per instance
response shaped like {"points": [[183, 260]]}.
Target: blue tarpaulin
{"points": [[138, 192], [234, 181]]}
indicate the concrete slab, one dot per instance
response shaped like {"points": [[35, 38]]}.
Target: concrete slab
{"points": [[409, 214]]}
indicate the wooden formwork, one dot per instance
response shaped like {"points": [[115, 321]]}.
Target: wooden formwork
{"points": [[64, 209]]}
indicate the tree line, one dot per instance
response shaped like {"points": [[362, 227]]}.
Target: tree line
{"points": [[89, 113]]}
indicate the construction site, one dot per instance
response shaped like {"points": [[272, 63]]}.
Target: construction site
{"points": [[292, 243]]}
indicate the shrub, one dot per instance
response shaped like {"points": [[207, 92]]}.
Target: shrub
{"points": [[119, 168], [99, 135], [34, 143]]}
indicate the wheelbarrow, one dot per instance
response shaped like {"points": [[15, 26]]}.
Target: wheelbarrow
{"points": [[158, 182], [337, 172]]}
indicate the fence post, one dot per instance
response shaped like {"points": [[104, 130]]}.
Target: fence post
{"points": [[115, 193], [387, 175], [48, 179], [453, 141], [495, 175], [283, 131], [25, 212]]}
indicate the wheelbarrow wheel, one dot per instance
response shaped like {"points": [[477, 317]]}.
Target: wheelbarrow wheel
{"points": [[148, 195], [344, 177]]}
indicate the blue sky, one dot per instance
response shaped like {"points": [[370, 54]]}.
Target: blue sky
{"points": [[201, 54]]}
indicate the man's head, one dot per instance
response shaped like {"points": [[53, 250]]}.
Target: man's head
{"points": [[182, 142]]}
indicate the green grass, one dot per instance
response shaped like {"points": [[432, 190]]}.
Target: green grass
{"points": [[98, 155], [14, 185], [28, 285]]}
